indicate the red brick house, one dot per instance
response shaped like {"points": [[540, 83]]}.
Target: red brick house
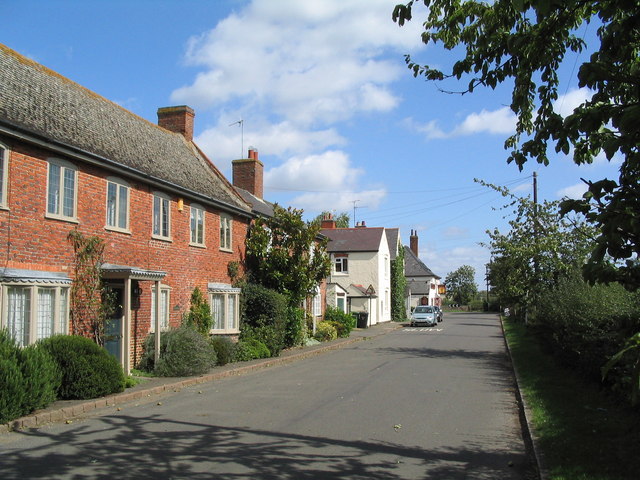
{"points": [[70, 159]]}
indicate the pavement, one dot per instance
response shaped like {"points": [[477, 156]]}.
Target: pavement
{"points": [[68, 410]]}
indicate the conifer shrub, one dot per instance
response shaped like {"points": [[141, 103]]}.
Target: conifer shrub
{"points": [[12, 388], [325, 332], [225, 349], [42, 377], [183, 352], [87, 370], [250, 349]]}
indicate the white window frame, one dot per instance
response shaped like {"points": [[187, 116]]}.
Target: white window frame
{"points": [[120, 186], [230, 324], [162, 202], [316, 306], [4, 175], [341, 262], [165, 302], [197, 212], [226, 232], [32, 328], [67, 171]]}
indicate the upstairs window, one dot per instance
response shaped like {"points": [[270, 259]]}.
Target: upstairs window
{"points": [[225, 232], [341, 265], [4, 174], [117, 204], [161, 216], [62, 189], [197, 225]]}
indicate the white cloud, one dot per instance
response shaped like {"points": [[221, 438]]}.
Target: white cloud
{"points": [[310, 62], [341, 202], [573, 191], [330, 171], [496, 122], [566, 104], [501, 121], [455, 232]]}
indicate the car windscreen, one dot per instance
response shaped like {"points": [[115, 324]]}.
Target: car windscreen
{"points": [[423, 310]]}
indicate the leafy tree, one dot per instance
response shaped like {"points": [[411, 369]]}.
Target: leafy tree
{"points": [[540, 248], [525, 41], [398, 287], [342, 220], [284, 253], [461, 284]]}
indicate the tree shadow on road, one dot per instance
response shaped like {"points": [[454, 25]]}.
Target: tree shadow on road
{"points": [[157, 448]]}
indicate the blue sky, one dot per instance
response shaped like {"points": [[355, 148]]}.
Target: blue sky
{"points": [[324, 95]]}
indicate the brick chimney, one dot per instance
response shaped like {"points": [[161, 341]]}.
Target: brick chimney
{"points": [[178, 120], [413, 242], [248, 173], [328, 221]]}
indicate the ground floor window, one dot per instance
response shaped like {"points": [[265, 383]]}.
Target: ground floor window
{"points": [[33, 312], [317, 304], [225, 311], [164, 307]]}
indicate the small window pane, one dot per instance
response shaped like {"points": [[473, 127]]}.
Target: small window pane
{"points": [[69, 192], [123, 207], [53, 201], [217, 311], [231, 311], [111, 204], [46, 313], [19, 313]]}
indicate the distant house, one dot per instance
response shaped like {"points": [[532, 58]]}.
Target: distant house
{"points": [[360, 272], [70, 159], [248, 175], [422, 283]]}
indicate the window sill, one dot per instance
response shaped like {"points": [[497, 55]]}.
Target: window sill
{"points": [[118, 230], [224, 332], [197, 245], [162, 239], [226, 250], [51, 216]]}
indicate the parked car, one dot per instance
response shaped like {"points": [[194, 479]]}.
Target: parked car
{"points": [[439, 313], [424, 314]]}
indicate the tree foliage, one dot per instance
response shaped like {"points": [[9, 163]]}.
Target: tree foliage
{"points": [[540, 248], [461, 286], [526, 41], [342, 220], [398, 287], [284, 253]]}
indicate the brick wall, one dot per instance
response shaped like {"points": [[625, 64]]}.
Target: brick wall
{"points": [[31, 241]]}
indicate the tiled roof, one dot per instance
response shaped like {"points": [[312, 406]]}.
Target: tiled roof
{"points": [[359, 239], [393, 234], [39, 103], [258, 205], [413, 266]]}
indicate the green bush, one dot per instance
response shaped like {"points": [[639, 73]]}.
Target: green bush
{"points": [[341, 329], [183, 352], [225, 349], [29, 378], [88, 370], [296, 327], [347, 321], [250, 349], [325, 332], [584, 325], [42, 377], [264, 316]]}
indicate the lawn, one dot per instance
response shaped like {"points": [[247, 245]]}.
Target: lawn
{"points": [[584, 434]]}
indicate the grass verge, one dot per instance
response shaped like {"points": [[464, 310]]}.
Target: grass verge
{"points": [[583, 433]]}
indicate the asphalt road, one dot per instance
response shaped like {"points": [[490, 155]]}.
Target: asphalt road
{"points": [[417, 403]]}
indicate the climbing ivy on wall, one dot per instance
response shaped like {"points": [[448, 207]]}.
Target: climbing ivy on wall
{"points": [[398, 287], [90, 302]]}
